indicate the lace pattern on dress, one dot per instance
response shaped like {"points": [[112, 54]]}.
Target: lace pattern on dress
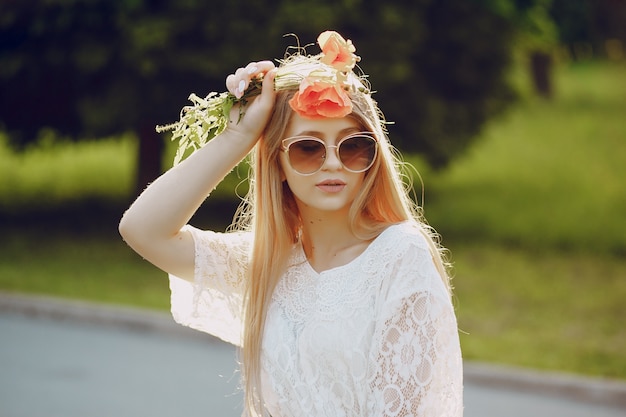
{"points": [[416, 359], [376, 337], [213, 303]]}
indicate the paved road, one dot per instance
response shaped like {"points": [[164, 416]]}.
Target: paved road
{"points": [[75, 360]]}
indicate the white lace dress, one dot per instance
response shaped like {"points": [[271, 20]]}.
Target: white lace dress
{"points": [[374, 338]]}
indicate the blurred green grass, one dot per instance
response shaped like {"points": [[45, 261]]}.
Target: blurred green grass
{"points": [[55, 172], [542, 309], [548, 174], [80, 266], [533, 215]]}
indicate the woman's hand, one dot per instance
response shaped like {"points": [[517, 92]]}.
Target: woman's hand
{"points": [[248, 122]]}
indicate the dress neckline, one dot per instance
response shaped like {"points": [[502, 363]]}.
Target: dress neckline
{"points": [[304, 260]]}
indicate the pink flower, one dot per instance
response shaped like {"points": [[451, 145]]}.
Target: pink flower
{"points": [[337, 52], [319, 98]]}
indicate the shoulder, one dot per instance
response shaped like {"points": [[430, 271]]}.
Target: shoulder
{"points": [[409, 255], [220, 245], [407, 235], [209, 237], [407, 243]]}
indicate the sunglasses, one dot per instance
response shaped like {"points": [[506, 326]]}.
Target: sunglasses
{"points": [[307, 154]]}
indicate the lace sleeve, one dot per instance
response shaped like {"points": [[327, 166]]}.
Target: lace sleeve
{"points": [[416, 359], [213, 302]]}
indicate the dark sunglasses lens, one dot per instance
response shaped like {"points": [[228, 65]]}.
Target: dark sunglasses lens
{"points": [[357, 153], [306, 155]]}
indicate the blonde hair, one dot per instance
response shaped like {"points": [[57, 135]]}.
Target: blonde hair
{"points": [[270, 212]]}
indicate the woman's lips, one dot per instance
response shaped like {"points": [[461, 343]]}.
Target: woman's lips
{"points": [[331, 186]]}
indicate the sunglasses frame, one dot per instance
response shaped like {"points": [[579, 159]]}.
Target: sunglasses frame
{"points": [[294, 139]]}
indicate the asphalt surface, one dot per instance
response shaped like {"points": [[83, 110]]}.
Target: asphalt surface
{"points": [[72, 359]]}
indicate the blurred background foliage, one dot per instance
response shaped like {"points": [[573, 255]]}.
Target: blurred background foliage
{"points": [[92, 68], [511, 110]]}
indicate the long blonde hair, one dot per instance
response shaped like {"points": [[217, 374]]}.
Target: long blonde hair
{"points": [[270, 212]]}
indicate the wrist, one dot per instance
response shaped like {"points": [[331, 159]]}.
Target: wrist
{"points": [[239, 138]]}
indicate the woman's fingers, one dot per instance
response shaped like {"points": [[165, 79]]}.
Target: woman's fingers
{"points": [[268, 93], [238, 82]]}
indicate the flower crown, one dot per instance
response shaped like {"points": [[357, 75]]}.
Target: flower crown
{"points": [[322, 82]]}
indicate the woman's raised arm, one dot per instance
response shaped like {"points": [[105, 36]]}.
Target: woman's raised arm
{"points": [[152, 225]]}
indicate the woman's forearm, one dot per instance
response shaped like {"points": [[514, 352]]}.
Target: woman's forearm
{"points": [[170, 201], [152, 225]]}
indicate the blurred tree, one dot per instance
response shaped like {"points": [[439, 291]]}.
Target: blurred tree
{"points": [[585, 26], [573, 19], [538, 35], [98, 67], [535, 36]]}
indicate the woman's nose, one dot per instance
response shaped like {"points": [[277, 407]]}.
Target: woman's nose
{"points": [[332, 161]]}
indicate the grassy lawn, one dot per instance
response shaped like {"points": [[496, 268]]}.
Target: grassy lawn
{"points": [[533, 215], [549, 174], [542, 309], [82, 267], [56, 172]]}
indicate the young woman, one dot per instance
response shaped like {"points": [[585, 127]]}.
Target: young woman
{"points": [[330, 281]]}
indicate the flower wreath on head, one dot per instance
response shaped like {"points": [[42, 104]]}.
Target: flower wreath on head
{"points": [[322, 82]]}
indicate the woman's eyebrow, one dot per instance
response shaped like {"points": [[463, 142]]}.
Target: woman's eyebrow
{"points": [[320, 135]]}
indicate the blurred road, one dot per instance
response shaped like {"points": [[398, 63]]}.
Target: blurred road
{"points": [[67, 359]]}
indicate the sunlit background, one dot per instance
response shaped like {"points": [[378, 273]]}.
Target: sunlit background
{"points": [[512, 111]]}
